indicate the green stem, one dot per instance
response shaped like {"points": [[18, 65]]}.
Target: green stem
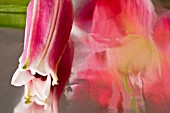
{"points": [[13, 13], [14, 2]]}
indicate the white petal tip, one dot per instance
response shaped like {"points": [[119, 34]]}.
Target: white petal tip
{"points": [[20, 78]]}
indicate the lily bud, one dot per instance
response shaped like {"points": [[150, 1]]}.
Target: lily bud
{"points": [[48, 27]]}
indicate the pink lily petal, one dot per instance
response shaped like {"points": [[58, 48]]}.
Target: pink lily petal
{"points": [[30, 95], [21, 107], [64, 68], [156, 90], [36, 106], [29, 91], [81, 47], [157, 94], [33, 108], [54, 100], [113, 19], [162, 33], [42, 88], [45, 38], [97, 61], [39, 101], [84, 13], [21, 77], [94, 85]]}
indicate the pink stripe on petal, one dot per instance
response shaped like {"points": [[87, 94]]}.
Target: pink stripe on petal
{"points": [[27, 32], [29, 91], [61, 35]]}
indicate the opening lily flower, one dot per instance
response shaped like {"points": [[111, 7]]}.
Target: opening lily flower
{"points": [[126, 42], [48, 28], [124, 31]]}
